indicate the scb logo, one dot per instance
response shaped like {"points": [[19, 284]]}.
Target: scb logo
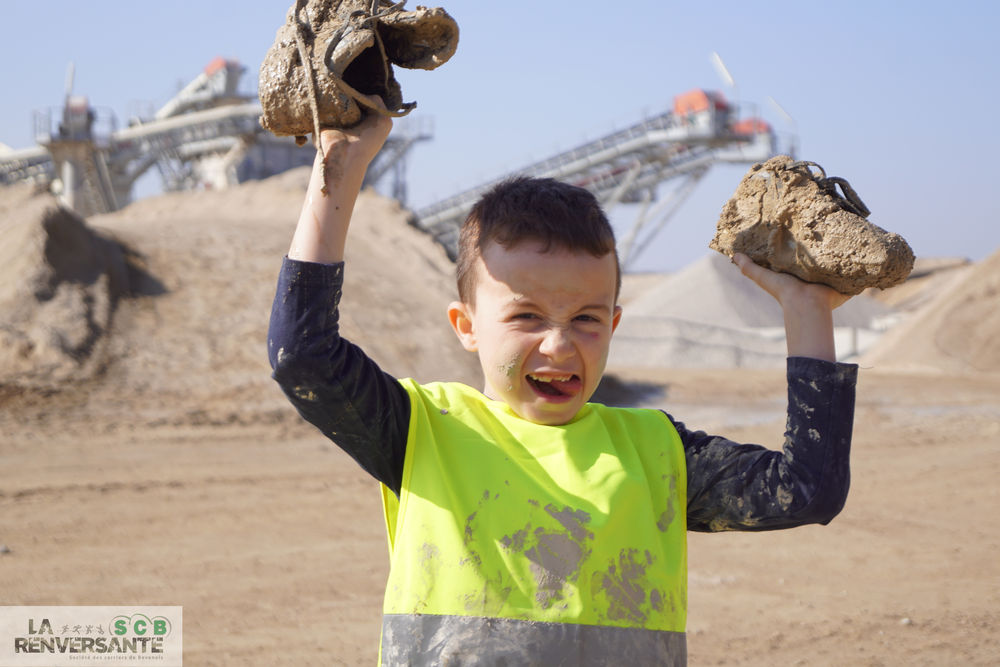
{"points": [[140, 625]]}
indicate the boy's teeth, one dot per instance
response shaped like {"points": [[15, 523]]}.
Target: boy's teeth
{"points": [[562, 378]]}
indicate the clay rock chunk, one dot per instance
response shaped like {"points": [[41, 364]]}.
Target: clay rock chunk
{"points": [[350, 53], [787, 218]]}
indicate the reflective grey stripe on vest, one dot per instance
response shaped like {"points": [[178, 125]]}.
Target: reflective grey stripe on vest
{"points": [[427, 639]]}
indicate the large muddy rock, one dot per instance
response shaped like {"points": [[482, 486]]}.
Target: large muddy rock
{"points": [[788, 219], [349, 53]]}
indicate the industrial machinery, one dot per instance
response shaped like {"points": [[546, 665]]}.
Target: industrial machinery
{"points": [[206, 136], [676, 148]]}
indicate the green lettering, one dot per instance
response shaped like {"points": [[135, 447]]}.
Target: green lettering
{"points": [[159, 626]]}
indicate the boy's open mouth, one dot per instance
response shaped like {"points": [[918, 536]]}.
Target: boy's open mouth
{"points": [[549, 385]]}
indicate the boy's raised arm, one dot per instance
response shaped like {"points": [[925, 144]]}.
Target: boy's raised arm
{"points": [[733, 486], [332, 383], [321, 232]]}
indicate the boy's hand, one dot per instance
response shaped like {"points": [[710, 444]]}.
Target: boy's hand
{"points": [[361, 142], [807, 307], [321, 233], [785, 287]]}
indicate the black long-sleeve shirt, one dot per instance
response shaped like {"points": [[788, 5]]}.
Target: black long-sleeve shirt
{"points": [[730, 486]]}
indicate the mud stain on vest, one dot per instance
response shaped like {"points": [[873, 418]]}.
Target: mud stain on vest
{"points": [[496, 589], [429, 558], [515, 542], [572, 520], [656, 599], [554, 556], [555, 559], [624, 586], [663, 523], [470, 529]]}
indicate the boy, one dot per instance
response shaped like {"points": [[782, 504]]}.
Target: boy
{"points": [[526, 525]]}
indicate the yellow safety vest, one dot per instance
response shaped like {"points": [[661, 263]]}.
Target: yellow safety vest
{"points": [[518, 543]]}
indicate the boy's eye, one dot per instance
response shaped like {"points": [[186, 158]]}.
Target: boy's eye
{"points": [[525, 316], [587, 318]]}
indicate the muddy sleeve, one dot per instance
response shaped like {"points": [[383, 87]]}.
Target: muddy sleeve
{"points": [[733, 486], [331, 382]]}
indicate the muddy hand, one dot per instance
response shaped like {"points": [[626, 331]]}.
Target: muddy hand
{"points": [[364, 140]]}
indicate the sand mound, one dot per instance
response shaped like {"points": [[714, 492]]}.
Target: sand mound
{"points": [[59, 283], [957, 331], [930, 276], [709, 315], [189, 345], [713, 291]]}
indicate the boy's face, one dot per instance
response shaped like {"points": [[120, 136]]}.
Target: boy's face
{"points": [[542, 324]]}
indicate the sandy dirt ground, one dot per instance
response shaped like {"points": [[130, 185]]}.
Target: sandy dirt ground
{"points": [[178, 475]]}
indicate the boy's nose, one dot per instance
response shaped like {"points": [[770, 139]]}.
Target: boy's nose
{"points": [[556, 344]]}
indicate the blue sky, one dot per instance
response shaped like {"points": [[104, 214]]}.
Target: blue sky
{"points": [[900, 99]]}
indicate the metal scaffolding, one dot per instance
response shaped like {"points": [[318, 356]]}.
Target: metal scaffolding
{"points": [[630, 166], [206, 136]]}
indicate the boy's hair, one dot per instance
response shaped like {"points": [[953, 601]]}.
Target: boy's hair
{"points": [[533, 209]]}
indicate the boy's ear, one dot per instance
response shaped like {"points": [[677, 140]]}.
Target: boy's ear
{"points": [[460, 316], [616, 318]]}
